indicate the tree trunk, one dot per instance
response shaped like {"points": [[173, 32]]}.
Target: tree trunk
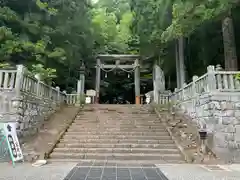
{"points": [[231, 62], [177, 64], [181, 61]]}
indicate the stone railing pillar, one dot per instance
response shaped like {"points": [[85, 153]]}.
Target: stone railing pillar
{"points": [[16, 101], [58, 95], [19, 79], [50, 93], [175, 96], [194, 88], [194, 92], [211, 79], [38, 90], [183, 94], [65, 97]]}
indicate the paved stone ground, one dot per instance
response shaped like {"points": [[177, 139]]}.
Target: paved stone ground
{"points": [[114, 171], [25, 171]]}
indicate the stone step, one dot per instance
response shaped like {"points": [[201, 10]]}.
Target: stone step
{"points": [[102, 128], [122, 145], [68, 136], [116, 150], [118, 163], [115, 156], [117, 141], [165, 133], [85, 121], [108, 125], [110, 130], [121, 119], [117, 133]]}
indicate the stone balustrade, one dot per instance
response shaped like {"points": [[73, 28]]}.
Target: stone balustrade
{"points": [[27, 100], [213, 102], [73, 99]]}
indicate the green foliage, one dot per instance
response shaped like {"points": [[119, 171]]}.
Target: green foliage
{"points": [[49, 37], [150, 20], [112, 31], [53, 38], [237, 76], [4, 65], [45, 6], [190, 14], [46, 74]]}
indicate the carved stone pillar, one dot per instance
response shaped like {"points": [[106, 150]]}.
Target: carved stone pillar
{"points": [[82, 79]]}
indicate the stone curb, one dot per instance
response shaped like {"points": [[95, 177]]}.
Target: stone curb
{"points": [[46, 155], [187, 158]]}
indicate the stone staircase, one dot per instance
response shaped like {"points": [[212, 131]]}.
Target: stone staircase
{"points": [[117, 132]]}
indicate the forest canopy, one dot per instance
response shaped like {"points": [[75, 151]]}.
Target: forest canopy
{"points": [[54, 37]]}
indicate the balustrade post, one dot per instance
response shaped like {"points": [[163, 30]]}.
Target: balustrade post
{"points": [[50, 93], [37, 76], [19, 79], [194, 88], [18, 86], [175, 95], [183, 91], [211, 79], [15, 104], [194, 92], [65, 97], [58, 95], [219, 77]]}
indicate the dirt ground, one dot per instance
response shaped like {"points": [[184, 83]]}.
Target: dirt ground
{"points": [[35, 148]]}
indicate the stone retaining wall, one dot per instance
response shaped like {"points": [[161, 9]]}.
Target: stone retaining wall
{"points": [[26, 100], [219, 113]]}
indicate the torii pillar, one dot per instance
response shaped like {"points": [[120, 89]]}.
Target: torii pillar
{"points": [[137, 82], [98, 80]]}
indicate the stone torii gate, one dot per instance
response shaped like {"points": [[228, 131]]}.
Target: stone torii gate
{"points": [[110, 62]]}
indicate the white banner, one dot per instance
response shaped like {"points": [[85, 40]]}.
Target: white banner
{"points": [[88, 100], [9, 130]]}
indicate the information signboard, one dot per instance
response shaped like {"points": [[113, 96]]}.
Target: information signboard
{"points": [[91, 92], [9, 131]]}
